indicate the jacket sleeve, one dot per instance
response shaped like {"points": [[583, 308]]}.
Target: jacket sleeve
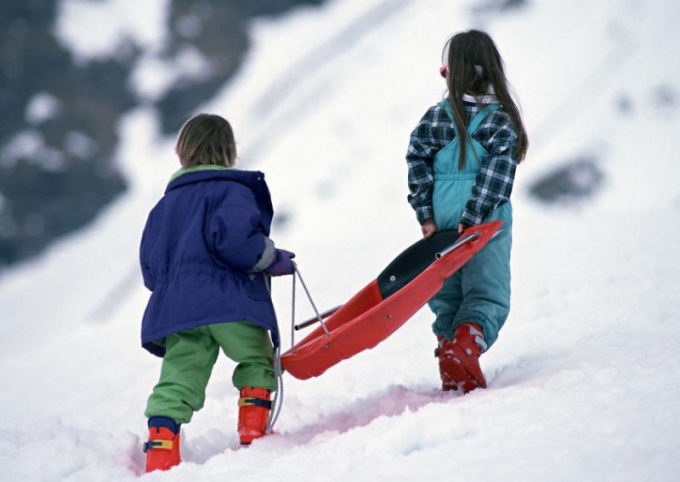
{"points": [[144, 256], [235, 234], [495, 179], [419, 159]]}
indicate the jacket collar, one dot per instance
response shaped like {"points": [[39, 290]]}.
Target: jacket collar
{"points": [[253, 180], [191, 175], [203, 167]]}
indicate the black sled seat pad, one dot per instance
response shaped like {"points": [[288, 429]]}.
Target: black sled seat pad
{"points": [[413, 261]]}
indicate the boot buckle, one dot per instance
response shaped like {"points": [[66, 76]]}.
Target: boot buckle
{"points": [[254, 402], [158, 444]]}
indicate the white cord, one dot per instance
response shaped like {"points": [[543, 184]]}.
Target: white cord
{"points": [[277, 403]]}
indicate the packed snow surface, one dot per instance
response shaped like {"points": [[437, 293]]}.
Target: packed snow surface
{"points": [[584, 381]]}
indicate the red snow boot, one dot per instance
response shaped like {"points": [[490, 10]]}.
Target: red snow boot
{"points": [[459, 359], [253, 413], [162, 448]]}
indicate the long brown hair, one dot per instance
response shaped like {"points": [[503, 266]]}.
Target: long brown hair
{"points": [[474, 67], [206, 139]]}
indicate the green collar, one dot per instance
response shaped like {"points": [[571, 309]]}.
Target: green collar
{"points": [[202, 167]]}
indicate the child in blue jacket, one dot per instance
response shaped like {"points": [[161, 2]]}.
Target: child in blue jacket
{"points": [[461, 161], [206, 256]]}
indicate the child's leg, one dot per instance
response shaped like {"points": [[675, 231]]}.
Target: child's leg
{"points": [[188, 362], [445, 305], [485, 283], [250, 346], [471, 307]]}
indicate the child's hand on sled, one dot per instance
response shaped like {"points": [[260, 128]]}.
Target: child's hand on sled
{"points": [[428, 228], [283, 264]]}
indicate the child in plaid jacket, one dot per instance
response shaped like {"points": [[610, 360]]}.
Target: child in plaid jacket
{"points": [[461, 161]]}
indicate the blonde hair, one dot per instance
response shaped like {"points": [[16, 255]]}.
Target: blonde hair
{"points": [[206, 139]]}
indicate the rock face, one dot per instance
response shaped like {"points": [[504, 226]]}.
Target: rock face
{"points": [[578, 179], [59, 118]]}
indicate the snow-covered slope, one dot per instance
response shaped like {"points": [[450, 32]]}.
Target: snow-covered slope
{"points": [[584, 379]]}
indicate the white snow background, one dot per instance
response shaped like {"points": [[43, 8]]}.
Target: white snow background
{"points": [[584, 381]]}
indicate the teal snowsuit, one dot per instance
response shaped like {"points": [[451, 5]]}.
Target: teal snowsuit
{"points": [[480, 291]]}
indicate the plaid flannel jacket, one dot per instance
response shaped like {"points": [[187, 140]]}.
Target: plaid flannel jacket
{"points": [[494, 181]]}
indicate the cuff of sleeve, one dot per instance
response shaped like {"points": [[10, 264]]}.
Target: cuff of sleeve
{"points": [[469, 219], [266, 257], [424, 213]]}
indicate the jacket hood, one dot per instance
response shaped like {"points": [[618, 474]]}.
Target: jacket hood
{"points": [[253, 180]]}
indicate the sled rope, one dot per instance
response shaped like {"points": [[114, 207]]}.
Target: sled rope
{"points": [[277, 402], [318, 318], [292, 314]]}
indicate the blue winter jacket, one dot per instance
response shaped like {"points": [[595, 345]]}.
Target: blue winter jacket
{"points": [[202, 253]]}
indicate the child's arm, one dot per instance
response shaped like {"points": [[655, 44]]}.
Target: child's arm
{"points": [[419, 158], [493, 184], [267, 257], [144, 258], [236, 237], [235, 233]]}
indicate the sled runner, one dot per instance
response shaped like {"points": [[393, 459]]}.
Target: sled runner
{"points": [[385, 303]]}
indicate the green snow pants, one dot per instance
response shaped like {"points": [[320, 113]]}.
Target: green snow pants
{"points": [[189, 359]]}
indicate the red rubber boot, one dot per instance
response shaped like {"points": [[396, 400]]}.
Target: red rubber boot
{"points": [[459, 359], [253, 413], [162, 448]]}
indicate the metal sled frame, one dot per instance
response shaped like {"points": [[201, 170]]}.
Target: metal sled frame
{"points": [[387, 302]]}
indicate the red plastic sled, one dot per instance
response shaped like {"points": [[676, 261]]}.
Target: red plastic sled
{"points": [[387, 302]]}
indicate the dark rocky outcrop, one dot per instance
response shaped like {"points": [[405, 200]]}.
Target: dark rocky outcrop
{"points": [[577, 180], [58, 129]]}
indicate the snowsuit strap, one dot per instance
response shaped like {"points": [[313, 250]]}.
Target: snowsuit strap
{"points": [[481, 115], [452, 183]]}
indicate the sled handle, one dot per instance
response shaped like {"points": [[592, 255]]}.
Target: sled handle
{"points": [[314, 319], [457, 244], [318, 318]]}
